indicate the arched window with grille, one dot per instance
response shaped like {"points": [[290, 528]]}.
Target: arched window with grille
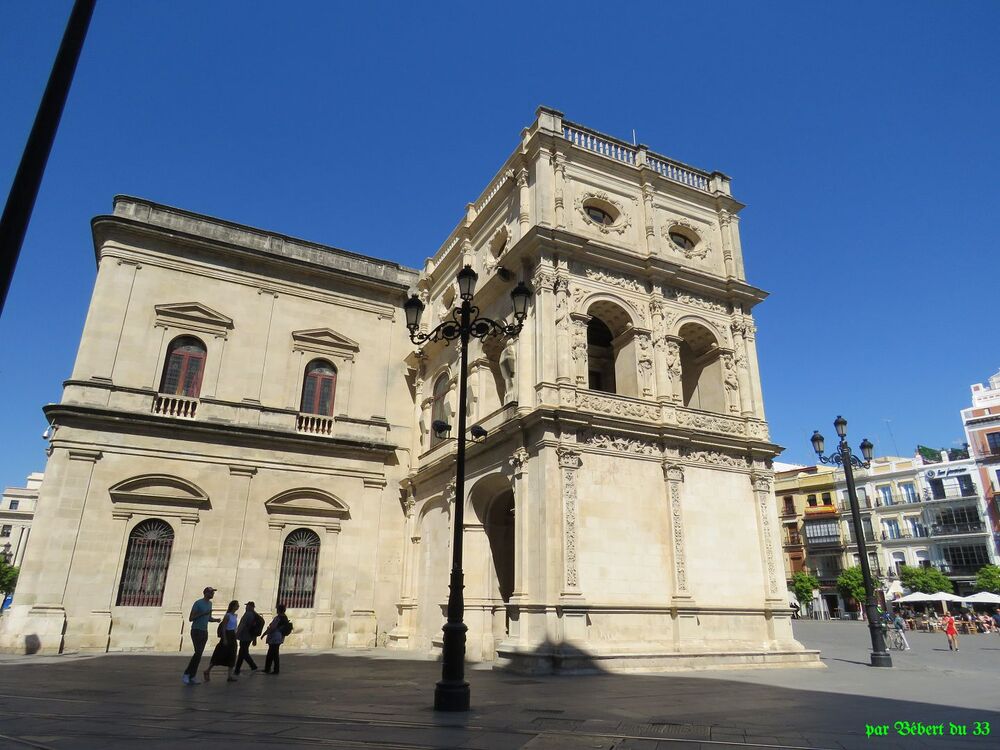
{"points": [[146, 563], [319, 388], [299, 560], [184, 367]]}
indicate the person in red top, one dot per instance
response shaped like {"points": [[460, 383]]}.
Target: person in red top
{"points": [[951, 631]]}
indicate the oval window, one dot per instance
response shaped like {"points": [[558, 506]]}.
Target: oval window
{"points": [[681, 240], [599, 216]]}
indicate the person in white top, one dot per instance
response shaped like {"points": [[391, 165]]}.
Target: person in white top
{"points": [[225, 651]]}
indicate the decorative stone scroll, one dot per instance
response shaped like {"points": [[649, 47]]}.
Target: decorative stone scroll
{"points": [[697, 251], [621, 222], [630, 283], [696, 300], [621, 444], [762, 490], [617, 407], [711, 423], [673, 475], [569, 463], [717, 458]]}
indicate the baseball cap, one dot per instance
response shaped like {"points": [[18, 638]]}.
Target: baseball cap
{"points": [[209, 588]]}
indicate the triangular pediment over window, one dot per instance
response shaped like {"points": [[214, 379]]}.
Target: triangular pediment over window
{"points": [[194, 316], [324, 340], [160, 490], [307, 501]]}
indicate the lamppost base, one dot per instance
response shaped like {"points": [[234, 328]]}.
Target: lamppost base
{"points": [[451, 696], [881, 660]]}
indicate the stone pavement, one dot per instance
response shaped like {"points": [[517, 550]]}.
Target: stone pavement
{"points": [[380, 699]]}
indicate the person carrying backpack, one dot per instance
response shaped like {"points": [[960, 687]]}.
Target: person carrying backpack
{"points": [[275, 634], [247, 633]]}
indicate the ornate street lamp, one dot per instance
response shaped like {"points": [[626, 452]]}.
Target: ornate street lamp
{"points": [[452, 692], [844, 458]]}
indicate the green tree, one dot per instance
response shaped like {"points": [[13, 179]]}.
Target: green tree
{"points": [[803, 584], [988, 579], [851, 584], [8, 577], [925, 580]]}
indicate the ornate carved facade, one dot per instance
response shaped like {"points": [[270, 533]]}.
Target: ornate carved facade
{"points": [[255, 399]]}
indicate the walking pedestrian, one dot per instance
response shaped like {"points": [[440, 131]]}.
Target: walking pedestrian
{"points": [[225, 650], [275, 635], [201, 615], [247, 632], [900, 624], [951, 631]]}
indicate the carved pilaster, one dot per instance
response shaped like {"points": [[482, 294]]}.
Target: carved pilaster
{"points": [[725, 221], [672, 362], [647, 205], [569, 464], [742, 368], [673, 476], [644, 363], [578, 349], [562, 320], [560, 173], [524, 199], [730, 381], [764, 502]]}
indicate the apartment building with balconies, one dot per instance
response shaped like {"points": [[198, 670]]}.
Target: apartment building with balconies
{"points": [[924, 515], [982, 433]]}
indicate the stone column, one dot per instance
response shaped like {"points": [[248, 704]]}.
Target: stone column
{"points": [[524, 201], [560, 180], [673, 475], [519, 480], [751, 341], [362, 628], [672, 362], [578, 348], [400, 635], [644, 364], [543, 283], [569, 464], [742, 370], [725, 221], [767, 534], [648, 217], [564, 363], [730, 381], [174, 625]]}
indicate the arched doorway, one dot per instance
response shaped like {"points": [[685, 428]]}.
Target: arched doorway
{"points": [[491, 568]]}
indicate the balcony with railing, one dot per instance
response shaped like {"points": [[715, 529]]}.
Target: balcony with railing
{"points": [[636, 156], [793, 539], [820, 510], [958, 529], [965, 494], [961, 571], [824, 541], [902, 536], [178, 407]]}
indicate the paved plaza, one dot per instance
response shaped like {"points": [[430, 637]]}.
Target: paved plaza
{"points": [[377, 699]]}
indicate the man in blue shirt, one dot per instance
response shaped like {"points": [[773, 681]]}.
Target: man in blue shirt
{"points": [[201, 615]]}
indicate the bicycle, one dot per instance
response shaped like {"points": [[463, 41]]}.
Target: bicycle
{"points": [[894, 640]]}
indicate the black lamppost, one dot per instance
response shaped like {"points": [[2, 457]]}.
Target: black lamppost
{"points": [[452, 692], [843, 457]]}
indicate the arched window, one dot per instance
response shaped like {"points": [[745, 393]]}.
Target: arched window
{"points": [[439, 406], [701, 369], [146, 563], [297, 582], [184, 367], [600, 357], [319, 387]]}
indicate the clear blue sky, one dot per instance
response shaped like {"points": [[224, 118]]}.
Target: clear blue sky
{"points": [[863, 139]]}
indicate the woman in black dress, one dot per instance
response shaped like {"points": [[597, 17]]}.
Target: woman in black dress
{"points": [[225, 651]]}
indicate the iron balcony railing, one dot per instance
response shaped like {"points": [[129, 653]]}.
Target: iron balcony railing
{"points": [[922, 533], [948, 529]]}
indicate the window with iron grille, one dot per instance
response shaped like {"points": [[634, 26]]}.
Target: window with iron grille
{"points": [[146, 563], [319, 387], [184, 367], [299, 560]]}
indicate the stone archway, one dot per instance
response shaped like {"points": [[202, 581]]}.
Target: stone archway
{"points": [[490, 564]]}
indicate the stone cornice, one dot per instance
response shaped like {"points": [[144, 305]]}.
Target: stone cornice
{"points": [[146, 218], [225, 432]]}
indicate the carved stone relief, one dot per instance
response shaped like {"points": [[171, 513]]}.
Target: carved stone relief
{"points": [[621, 444], [700, 248], [621, 222], [617, 407], [569, 462]]}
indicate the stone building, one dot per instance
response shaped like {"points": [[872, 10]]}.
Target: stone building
{"points": [[17, 509], [247, 411]]}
